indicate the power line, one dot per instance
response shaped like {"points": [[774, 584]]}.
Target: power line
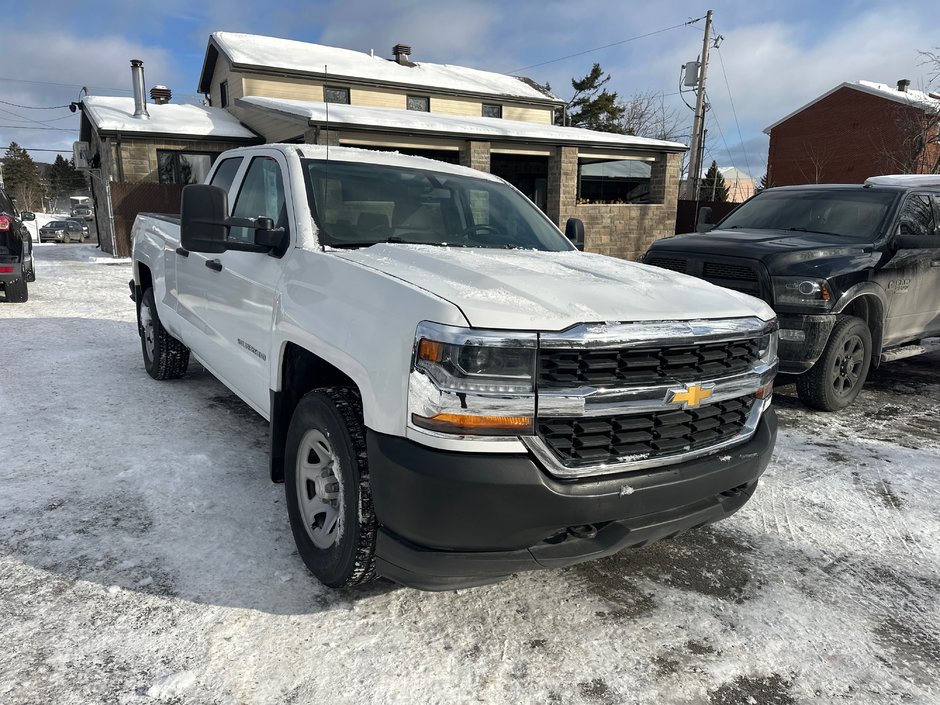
{"points": [[734, 112], [607, 46], [22, 127], [34, 107], [721, 132]]}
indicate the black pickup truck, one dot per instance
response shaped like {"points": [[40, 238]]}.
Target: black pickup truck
{"points": [[853, 272], [16, 251]]}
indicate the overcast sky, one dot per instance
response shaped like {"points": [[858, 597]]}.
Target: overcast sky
{"points": [[773, 58]]}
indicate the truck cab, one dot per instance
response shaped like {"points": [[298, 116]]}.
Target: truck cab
{"points": [[853, 272]]}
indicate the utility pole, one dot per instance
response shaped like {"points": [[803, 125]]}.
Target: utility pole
{"points": [[698, 123]]}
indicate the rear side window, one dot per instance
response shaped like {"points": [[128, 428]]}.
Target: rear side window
{"points": [[917, 216], [225, 174]]}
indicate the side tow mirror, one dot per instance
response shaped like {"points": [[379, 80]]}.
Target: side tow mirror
{"points": [[574, 231], [27, 215], [910, 241], [704, 220], [202, 219]]}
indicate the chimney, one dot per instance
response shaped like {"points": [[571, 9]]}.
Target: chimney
{"points": [[903, 84], [140, 100], [160, 95], [402, 52]]}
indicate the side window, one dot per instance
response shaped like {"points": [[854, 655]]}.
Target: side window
{"points": [[261, 195], [225, 174], [917, 216]]}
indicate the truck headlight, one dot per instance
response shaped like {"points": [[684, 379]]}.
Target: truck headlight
{"points": [[767, 347], [803, 292], [472, 382]]}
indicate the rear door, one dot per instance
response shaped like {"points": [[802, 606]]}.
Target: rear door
{"points": [[911, 278]]}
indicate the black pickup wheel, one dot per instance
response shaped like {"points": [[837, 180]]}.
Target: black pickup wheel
{"points": [[164, 356], [837, 377], [326, 481]]}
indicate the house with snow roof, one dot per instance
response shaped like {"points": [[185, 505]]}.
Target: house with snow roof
{"points": [[623, 187], [854, 131]]}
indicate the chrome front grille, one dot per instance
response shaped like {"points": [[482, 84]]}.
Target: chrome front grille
{"points": [[622, 397]]}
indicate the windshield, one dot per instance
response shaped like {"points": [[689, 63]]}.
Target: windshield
{"points": [[358, 205], [854, 214], [56, 224]]}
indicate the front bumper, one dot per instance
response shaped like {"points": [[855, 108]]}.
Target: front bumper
{"points": [[450, 520], [798, 356]]}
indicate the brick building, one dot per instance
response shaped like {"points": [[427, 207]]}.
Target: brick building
{"points": [[854, 131]]}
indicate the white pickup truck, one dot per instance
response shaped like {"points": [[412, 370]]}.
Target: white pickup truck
{"points": [[455, 392]]}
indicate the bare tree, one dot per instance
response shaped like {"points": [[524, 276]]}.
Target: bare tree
{"points": [[918, 149], [818, 157], [646, 115]]}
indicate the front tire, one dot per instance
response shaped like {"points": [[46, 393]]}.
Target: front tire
{"points": [[837, 377], [164, 356], [329, 500]]}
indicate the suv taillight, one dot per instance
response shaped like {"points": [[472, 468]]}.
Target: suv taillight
{"points": [[5, 221]]}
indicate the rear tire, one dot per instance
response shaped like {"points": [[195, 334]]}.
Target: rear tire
{"points": [[837, 377], [16, 291], [326, 481], [164, 356]]}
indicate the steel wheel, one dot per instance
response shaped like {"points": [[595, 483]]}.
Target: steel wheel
{"points": [[319, 490]]}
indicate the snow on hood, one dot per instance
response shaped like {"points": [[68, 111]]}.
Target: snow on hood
{"points": [[532, 290]]}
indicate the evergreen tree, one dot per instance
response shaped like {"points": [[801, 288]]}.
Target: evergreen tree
{"points": [[60, 178], [21, 178], [762, 184], [713, 187], [594, 107]]}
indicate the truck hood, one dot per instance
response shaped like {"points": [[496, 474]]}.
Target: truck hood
{"points": [[532, 290], [783, 252]]}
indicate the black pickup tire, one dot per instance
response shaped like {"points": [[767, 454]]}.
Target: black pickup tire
{"points": [[17, 291], [164, 356], [326, 481], [837, 377]]}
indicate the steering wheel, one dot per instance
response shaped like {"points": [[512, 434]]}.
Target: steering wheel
{"points": [[476, 229]]}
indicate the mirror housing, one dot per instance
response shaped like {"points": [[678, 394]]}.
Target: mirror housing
{"points": [[908, 241], [203, 216], [27, 215], [704, 223], [574, 231]]}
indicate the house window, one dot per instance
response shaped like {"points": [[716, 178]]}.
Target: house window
{"points": [[332, 94], [421, 103], [223, 94], [613, 181], [491, 110], [183, 167]]}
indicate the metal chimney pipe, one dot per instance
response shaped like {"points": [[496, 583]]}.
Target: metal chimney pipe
{"points": [[903, 84], [140, 97]]}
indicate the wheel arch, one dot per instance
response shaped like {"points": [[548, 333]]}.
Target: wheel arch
{"points": [[299, 371], [868, 303]]}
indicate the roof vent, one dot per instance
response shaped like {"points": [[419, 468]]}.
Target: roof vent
{"points": [[160, 95], [140, 100], [402, 52], [903, 84]]}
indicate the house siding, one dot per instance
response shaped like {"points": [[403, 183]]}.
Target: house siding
{"points": [[844, 138]]}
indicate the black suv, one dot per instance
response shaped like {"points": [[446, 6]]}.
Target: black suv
{"points": [[16, 251], [853, 272]]}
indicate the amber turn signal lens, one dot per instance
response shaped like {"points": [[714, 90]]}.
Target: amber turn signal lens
{"points": [[430, 350], [765, 392], [477, 425]]}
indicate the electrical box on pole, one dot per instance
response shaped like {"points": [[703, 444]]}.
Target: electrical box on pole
{"points": [[691, 73], [698, 124]]}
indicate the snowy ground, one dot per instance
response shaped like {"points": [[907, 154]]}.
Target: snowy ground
{"points": [[145, 556]]}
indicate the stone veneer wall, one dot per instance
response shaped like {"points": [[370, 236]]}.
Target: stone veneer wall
{"points": [[624, 231]]}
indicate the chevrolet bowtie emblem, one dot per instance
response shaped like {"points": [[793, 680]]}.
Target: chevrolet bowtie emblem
{"points": [[691, 396]]}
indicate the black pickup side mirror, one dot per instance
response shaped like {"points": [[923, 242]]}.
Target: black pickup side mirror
{"points": [[574, 231], [203, 217], [704, 220], [910, 241]]}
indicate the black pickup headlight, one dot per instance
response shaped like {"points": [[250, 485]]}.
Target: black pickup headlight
{"points": [[803, 292], [472, 382]]}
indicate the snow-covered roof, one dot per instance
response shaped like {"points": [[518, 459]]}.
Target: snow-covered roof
{"points": [[252, 50], [413, 122], [733, 173], [116, 114], [919, 99]]}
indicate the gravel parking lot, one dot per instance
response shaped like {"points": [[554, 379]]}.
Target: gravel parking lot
{"points": [[146, 557]]}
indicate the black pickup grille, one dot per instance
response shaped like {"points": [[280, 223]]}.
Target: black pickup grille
{"points": [[632, 366], [720, 270], [675, 264], [740, 277], [584, 441]]}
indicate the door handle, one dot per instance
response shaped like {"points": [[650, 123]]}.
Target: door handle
{"points": [[214, 264], [181, 252]]}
